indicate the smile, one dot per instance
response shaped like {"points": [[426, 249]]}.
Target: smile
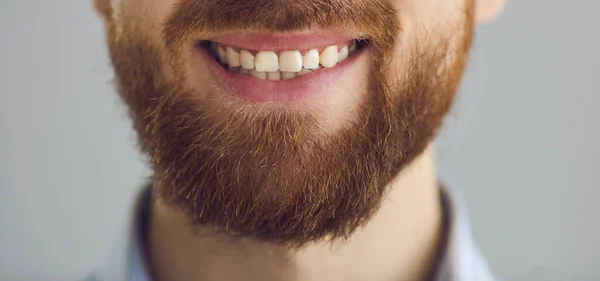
{"points": [[276, 68]]}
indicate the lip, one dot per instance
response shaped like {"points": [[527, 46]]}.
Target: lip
{"points": [[282, 42], [254, 90]]}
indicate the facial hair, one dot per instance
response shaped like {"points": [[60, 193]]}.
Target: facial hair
{"points": [[273, 175]]}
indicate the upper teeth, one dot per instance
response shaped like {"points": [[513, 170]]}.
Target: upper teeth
{"points": [[285, 65]]}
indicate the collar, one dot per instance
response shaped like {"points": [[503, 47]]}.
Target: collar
{"points": [[460, 259]]}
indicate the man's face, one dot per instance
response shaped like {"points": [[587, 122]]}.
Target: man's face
{"points": [[285, 121]]}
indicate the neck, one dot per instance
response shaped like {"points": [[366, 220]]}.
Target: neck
{"points": [[400, 242]]}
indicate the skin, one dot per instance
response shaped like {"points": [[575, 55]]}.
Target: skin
{"points": [[402, 234]]}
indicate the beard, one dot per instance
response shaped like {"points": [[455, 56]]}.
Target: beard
{"points": [[274, 175]]}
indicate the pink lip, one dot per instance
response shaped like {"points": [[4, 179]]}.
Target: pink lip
{"points": [[282, 42], [254, 90]]}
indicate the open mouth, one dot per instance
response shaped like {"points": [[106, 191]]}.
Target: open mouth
{"points": [[276, 65], [292, 68]]}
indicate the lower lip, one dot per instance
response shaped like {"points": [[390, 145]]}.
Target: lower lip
{"points": [[254, 90]]}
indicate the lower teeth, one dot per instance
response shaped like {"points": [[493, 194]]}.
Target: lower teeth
{"points": [[272, 76]]}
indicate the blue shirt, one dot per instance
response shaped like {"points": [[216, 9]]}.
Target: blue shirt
{"points": [[459, 260]]}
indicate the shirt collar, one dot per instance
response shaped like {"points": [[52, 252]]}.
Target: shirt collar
{"points": [[460, 259]]}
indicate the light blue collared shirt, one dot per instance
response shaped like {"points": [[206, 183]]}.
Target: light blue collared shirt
{"points": [[460, 258]]}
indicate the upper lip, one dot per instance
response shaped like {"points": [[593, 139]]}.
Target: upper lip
{"points": [[283, 41]]}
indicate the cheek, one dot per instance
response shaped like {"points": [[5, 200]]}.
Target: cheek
{"points": [[146, 16], [423, 22], [428, 15], [162, 9]]}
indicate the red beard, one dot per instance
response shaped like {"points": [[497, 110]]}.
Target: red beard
{"points": [[274, 176]]}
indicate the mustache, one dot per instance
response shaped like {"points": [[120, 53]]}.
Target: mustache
{"points": [[366, 19]]}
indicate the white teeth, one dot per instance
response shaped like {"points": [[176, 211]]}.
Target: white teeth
{"points": [[290, 61], [329, 57], [233, 57], [311, 59], [258, 74], [274, 76], [287, 65], [288, 75], [266, 61], [343, 54], [304, 71], [222, 54], [247, 59]]}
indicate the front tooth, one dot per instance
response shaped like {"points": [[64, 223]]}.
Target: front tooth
{"points": [[303, 72], [266, 61], [343, 54], [288, 75], [290, 61], [258, 74], [311, 59], [247, 59], [222, 54], [329, 57], [233, 57], [274, 76]]}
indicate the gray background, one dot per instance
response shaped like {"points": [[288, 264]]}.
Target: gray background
{"points": [[523, 142]]}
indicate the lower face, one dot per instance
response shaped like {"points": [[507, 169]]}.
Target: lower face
{"points": [[285, 127]]}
